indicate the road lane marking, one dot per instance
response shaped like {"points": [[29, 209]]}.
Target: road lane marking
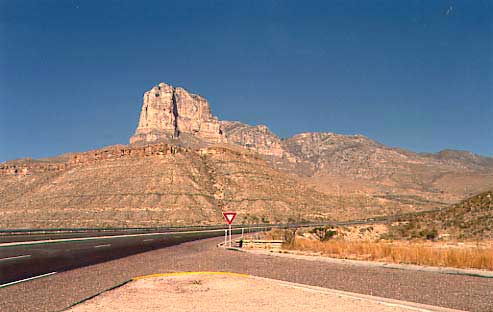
{"points": [[148, 240], [15, 258], [3, 245], [101, 246], [27, 279]]}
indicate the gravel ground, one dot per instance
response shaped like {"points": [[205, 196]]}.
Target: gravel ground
{"points": [[56, 292], [200, 292]]}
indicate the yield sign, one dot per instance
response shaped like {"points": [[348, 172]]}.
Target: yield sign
{"points": [[229, 216]]}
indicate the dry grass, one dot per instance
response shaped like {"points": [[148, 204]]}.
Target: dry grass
{"points": [[478, 256]]}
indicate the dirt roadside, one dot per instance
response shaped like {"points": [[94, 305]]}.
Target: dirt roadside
{"points": [[223, 291]]}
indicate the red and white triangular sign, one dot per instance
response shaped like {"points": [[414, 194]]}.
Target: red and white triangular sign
{"points": [[229, 216]]}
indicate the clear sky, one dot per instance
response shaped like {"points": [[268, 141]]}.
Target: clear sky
{"points": [[412, 74]]}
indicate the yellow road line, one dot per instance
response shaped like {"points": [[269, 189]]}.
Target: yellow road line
{"points": [[189, 273]]}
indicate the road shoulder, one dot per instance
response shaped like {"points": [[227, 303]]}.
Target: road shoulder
{"points": [[411, 267]]}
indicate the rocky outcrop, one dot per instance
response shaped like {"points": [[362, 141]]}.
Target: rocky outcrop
{"points": [[28, 169], [169, 114], [257, 138], [120, 151], [175, 116], [109, 153]]}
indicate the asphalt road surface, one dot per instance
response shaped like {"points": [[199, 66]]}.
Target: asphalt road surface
{"points": [[51, 234], [20, 261], [60, 290]]}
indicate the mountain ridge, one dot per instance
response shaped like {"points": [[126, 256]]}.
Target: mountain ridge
{"points": [[327, 155], [184, 166]]}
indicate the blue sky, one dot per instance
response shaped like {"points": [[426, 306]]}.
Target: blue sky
{"points": [[412, 74]]}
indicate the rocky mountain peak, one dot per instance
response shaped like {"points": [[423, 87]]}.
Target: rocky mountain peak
{"points": [[178, 117], [170, 113]]}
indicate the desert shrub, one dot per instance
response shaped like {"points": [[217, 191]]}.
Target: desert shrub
{"points": [[323, 233], [431, 234], [329, 234]]}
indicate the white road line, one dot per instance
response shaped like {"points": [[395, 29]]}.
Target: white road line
{"points": [[101, 246], [16, 257], [148, 240], [27, 279]]}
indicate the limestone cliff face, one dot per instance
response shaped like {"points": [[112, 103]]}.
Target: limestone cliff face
{"points": [[170, 113], [178, 117]]}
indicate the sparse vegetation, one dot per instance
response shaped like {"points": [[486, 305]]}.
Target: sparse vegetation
{"points": [[469, 219], [323, 233], [479, 256], [434, 239]]}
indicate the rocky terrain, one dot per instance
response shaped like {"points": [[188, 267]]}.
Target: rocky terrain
{"points": [[183, 166]]}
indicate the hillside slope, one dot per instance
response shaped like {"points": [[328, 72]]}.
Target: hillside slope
{"points": [[346, 164], [164, 185], [469, 219]]}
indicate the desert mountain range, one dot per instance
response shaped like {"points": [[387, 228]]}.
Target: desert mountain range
{"points": [[184, 166]]}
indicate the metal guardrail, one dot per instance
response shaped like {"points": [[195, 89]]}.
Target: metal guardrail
{"points": [[126, 230], [218, 226]]}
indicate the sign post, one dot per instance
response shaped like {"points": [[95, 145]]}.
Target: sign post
{"points": [[229, 216]]}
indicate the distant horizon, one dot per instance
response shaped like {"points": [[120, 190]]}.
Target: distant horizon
{"points": [[414, 75]]}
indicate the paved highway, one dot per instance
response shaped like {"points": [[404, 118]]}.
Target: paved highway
{"points": [[7, 236], [47, 253], [32, 259]]}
